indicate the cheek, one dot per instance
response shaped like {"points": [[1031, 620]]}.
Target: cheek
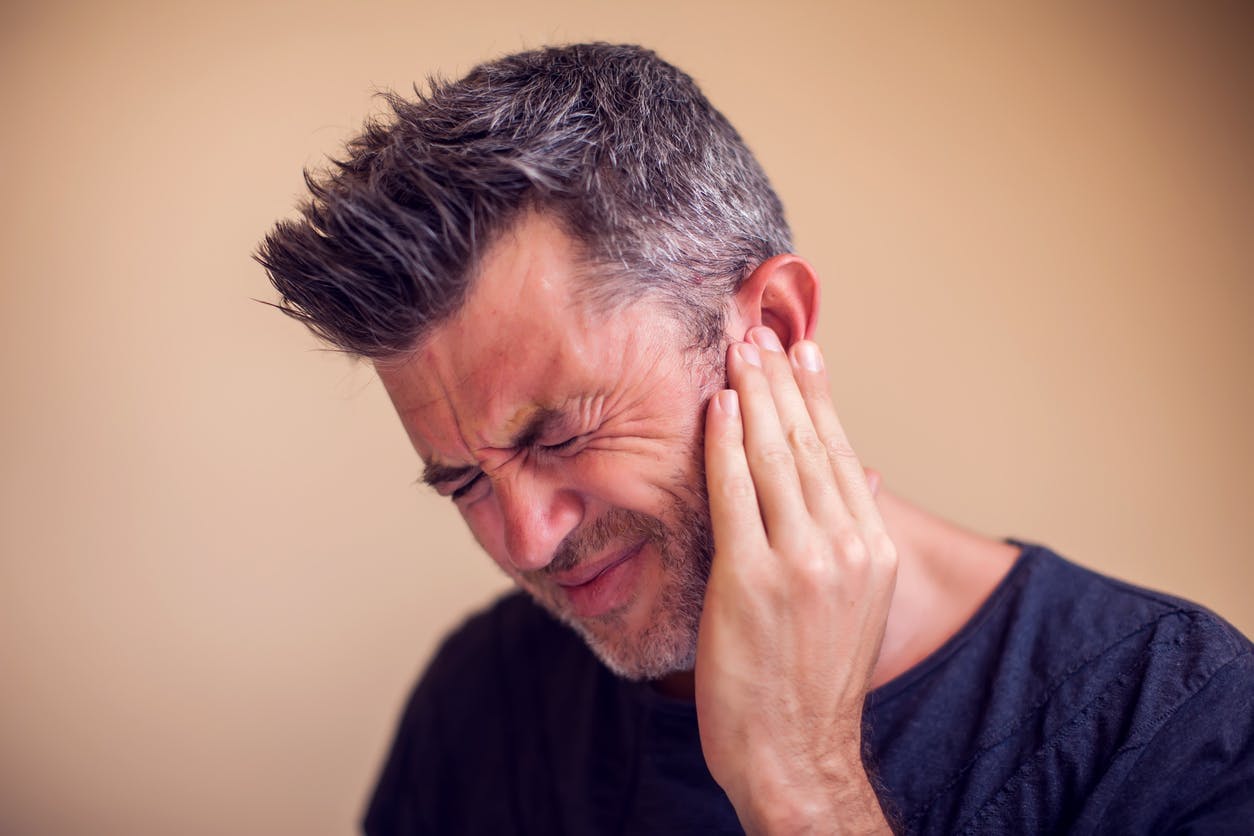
{"points": [[646, 480], [484, 521]]}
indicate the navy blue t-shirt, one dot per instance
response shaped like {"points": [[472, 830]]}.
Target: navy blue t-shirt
{"points": [[1069, 703]]}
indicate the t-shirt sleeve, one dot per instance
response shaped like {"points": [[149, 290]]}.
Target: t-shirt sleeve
{"points": [[1196, 775]]}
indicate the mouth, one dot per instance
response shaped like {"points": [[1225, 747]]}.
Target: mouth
{"points": [[605, 585]]}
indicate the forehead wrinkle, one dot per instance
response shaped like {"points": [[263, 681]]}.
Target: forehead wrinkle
{"points": [[525, 277], [446, 397], [428, 366], [519, 429]]}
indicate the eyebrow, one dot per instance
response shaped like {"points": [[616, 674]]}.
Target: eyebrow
{"points": [[541, 420], [434, 474]]}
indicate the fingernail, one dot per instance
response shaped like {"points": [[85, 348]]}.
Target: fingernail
{"points": [[728, 402], [766, 338], [808, 356], [750, 355]]}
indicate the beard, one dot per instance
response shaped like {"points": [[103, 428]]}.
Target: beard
{"points": [[684, 542]]}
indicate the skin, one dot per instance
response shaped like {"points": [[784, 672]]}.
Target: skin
{"points": [[797, 532], [820, 588], [626, 439]]}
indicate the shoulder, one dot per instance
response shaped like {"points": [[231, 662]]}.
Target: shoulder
{"points": [[1079, 617], [1056, 638], [1140, 701], [1050, 705], [1174, 715], [1091, 642], [1060, 615]]}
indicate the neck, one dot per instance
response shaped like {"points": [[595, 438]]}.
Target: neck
{"points": [[945, 572]]}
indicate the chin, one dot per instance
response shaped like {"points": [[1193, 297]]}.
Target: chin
{"points": [[654, 644], [654, 633], [659, 650]]}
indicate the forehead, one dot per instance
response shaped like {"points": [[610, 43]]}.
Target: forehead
{"points": [[524, 341]]}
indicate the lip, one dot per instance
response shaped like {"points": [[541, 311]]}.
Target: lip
{"points": [[587, 574], [604, 587]]}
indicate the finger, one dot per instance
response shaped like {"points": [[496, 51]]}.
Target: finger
{"points": [[770, 459], [807, 362], [814, 472], [734, 514], [873, 479]]}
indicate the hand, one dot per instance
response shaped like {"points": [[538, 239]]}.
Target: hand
{"points": [[797, 601]]}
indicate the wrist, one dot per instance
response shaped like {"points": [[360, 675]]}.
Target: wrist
{"points": [[838, 801]]}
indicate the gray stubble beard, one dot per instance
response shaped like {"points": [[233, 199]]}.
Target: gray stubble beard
{"points": [[686, 550], [668, 644]]}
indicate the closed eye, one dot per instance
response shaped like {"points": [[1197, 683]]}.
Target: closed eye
{"points": [[465, 489], [560, 446]]}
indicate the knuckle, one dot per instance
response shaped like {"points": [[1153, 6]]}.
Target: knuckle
{"points": [[806, 443], [840, 451], [817, 569], [853, 549], [813, 387], [736, 488], [884, 549], [774, 456]]}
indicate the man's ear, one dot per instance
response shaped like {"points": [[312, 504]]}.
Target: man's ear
{"points": [[782, 294]]}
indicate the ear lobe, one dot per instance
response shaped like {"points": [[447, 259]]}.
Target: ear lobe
{"points": [[782, 294]]}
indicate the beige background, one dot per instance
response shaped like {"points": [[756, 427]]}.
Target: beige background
{"points": [[217, 581]]}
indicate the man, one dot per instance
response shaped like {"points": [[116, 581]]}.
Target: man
{"points": [[577, 287]]}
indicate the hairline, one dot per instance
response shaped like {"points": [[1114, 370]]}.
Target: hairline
{"points": [[601, 284]]}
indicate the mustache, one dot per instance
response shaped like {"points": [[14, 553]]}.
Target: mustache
{"points": [[617, 524]]}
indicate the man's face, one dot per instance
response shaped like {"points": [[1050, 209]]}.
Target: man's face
{"points": [[570, 441]]}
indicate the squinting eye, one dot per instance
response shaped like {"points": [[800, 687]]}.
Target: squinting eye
{"points": [[565, 445], [465, 489]]}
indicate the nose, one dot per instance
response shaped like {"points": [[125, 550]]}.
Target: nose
{"points": [[536, 513]]}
